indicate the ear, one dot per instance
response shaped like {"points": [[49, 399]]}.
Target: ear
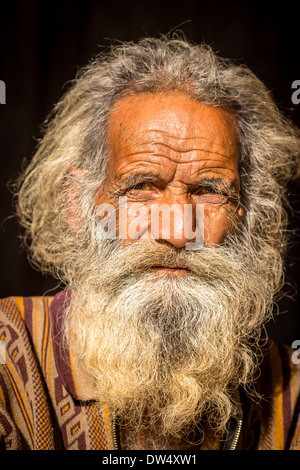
{"points": [[72, 190]]}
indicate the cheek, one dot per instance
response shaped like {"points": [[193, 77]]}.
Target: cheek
{"points": [[217, 224]]}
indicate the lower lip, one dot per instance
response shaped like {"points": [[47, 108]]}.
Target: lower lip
{"points": [[171, 271]]}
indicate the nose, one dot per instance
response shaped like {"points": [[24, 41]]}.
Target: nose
{"points": [[173, 223]]}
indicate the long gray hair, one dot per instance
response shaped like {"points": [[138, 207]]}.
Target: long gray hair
{"points": [[75, 136]]}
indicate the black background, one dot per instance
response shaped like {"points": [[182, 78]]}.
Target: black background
{"points": [[42, 44]]}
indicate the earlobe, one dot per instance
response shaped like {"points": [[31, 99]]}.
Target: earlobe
{"points": [[241, 212]]}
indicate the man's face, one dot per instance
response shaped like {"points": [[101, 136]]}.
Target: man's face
{"points": [[164, 330], [170, 149]]}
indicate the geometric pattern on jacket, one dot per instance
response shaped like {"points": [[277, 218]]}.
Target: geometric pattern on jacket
{"points": [[48, 402]]}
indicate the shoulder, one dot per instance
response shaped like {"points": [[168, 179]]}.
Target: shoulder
{"points": [[279, 387], [280, 367], [21, 382], [19, 310], [24, 319], [19, 319]]}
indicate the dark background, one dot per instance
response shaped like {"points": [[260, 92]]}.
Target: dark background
{"points": [[43, 43]]}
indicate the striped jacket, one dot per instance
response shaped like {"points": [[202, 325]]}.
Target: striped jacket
{"points": [[47, 401]]}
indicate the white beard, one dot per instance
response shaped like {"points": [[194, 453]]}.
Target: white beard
{"points": [[172, 349]]}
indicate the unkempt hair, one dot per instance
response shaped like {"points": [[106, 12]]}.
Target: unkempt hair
{"points": [[75, 136]]}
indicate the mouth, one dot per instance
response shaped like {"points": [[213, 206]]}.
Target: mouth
{"points": [[173, 271]]}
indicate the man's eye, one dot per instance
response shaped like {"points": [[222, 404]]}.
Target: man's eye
{"points": [[208, 190], [139, 187], [210, 195], [130, 190]]}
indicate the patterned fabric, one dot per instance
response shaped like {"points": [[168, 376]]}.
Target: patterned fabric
{"points": [[48, 402]]}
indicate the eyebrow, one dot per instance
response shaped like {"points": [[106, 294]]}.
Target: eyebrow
{"points": [[212, 182], [136, 178], [132, 180], [218, 183]]}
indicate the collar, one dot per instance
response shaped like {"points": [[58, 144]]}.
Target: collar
{"points": [[74, 378]]}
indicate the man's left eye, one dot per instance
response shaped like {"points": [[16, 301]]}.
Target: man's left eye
{"points": [[209, 195], [209, 190]]}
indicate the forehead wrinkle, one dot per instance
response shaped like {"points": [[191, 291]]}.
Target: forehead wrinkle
{"points": [[166, 138], [213, 152], [168, 161], [178, 142], [210, 172], [172, 174], [167, 134], [153, 148], [141, 167]]}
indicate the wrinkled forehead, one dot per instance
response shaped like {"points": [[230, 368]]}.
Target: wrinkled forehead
{"points": [[174, 119]]}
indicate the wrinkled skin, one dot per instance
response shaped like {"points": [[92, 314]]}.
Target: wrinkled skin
{"points": [[175, 142]]}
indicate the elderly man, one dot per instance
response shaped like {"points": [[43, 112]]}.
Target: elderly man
{"points": [[157, 196]]}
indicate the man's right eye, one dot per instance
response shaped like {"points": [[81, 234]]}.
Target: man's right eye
{"points": [[137, 186], [142, 186]]}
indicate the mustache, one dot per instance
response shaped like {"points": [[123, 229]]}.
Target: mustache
{"points": [[139, 257], [173, 342]]}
